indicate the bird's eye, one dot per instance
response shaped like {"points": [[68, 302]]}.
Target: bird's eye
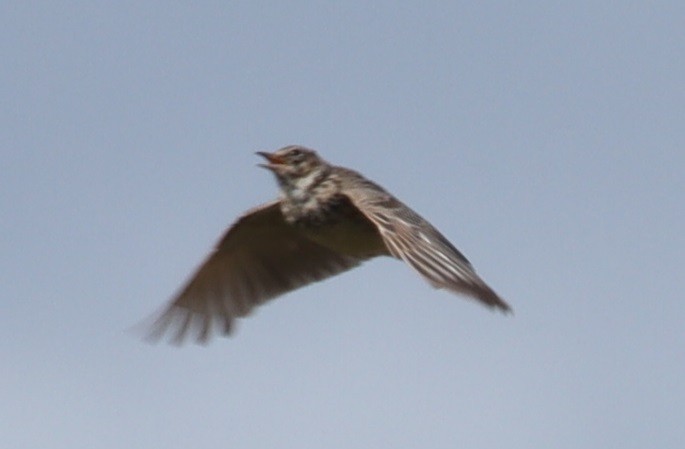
{"points": [[296, 155]]}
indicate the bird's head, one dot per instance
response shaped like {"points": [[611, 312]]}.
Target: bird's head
{"points": [[295, 167]]}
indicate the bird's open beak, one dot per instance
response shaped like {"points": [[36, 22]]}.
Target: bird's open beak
{"points": [[271, 158]]}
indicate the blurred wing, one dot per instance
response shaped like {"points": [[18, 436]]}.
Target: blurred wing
{"points": [[259, 258], [411, 238]]}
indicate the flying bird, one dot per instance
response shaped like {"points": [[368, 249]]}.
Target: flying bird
{"points": [[327, 220]]}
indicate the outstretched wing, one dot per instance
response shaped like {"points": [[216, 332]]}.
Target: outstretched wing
{"points": [[411, 238], [259, 258]]}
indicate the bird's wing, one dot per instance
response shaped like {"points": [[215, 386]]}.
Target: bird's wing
{"points": [[258, 258], [411, 238]]}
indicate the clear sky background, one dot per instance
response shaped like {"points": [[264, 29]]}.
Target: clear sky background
{"points": [[546, 140]]}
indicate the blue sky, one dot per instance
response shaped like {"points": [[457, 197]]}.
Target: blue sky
{"points": [[545, 140]]}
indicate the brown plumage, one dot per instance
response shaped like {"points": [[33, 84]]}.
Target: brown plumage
{"points": [[327, 220]]}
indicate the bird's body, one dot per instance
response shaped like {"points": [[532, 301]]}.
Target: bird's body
{"points": [[322, 212], [327, 220]]}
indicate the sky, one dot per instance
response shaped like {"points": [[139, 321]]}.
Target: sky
{"points": [[544, 139]]}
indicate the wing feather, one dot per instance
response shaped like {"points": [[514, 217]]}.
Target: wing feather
{"points": [[411, 238], [258, 258]]}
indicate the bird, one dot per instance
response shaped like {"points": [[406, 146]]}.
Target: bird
{"points": [[326, 220]]}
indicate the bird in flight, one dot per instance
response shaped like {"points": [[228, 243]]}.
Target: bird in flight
{"points": [[327, 220]]}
